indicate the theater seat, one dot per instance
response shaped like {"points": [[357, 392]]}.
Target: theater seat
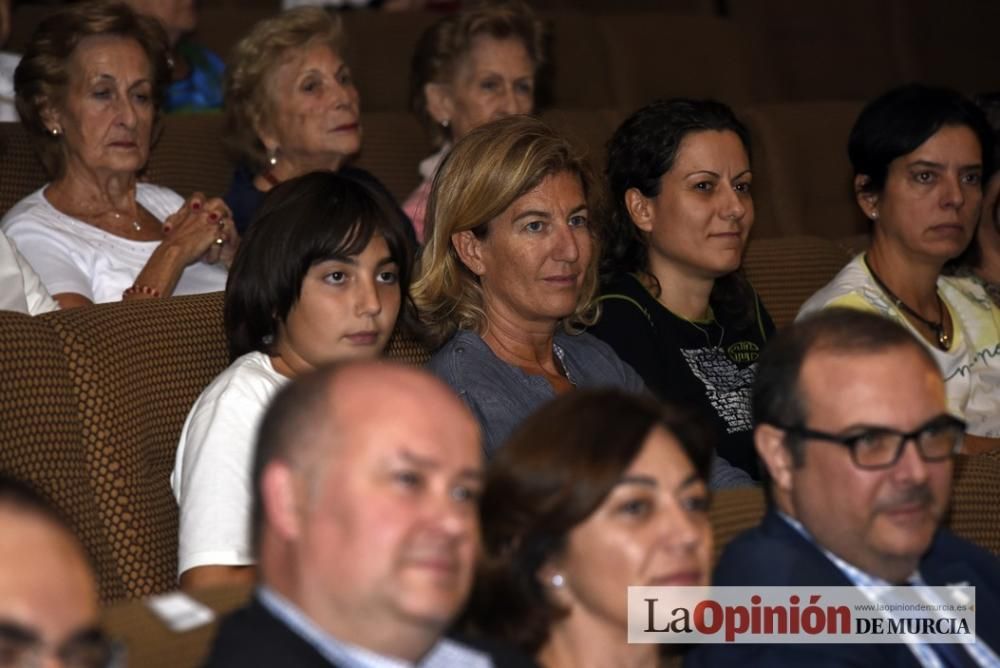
{"points": [[787, 271], [661, 55], [803, 181]]}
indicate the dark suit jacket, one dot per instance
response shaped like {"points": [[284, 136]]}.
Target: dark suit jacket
{"points": [[776, 555], [252, 637]]}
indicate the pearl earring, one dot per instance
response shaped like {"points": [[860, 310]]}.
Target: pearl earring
{"points": [[55, 132], [445, 123], [875, 214], [272, 156], [558, 581]]}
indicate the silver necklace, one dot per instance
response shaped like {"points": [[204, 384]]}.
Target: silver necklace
{"points": [[708, 339], [135, 222]]}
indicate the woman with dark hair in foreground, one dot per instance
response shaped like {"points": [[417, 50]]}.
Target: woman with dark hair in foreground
{"points": [[597, 491]]}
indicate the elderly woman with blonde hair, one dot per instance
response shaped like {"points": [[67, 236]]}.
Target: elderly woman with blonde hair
{"points": [[509, 274], [470, 68], [291, 105]]}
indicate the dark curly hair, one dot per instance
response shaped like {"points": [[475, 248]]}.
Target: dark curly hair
{"points": [[642, 150]]}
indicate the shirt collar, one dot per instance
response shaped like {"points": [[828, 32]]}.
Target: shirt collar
{"points": [[443, 654]]}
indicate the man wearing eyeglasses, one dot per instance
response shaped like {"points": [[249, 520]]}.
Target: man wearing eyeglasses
{"points": [[48, 597], [853, 430]]}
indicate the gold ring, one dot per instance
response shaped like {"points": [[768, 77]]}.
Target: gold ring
{"points": [[219, 241]]}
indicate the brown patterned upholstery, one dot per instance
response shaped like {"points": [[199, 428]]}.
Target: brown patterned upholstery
{"points": [[42, 433], [787, 271], [975, 500], [733, 512], [802, 178], [92, 409], [394, 144], [137, 368], [21, 172], [189, 156], [652, 55]]}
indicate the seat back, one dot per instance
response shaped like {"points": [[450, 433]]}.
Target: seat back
{"points": [[847, 50], [974, 500], [786, 272], [136, 369], [803, 180], [657, 55], [41, 421], [21, 172]]}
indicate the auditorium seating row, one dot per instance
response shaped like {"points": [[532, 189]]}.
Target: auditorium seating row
{"points": [[760, 51], [802, 178], [93, 401]]}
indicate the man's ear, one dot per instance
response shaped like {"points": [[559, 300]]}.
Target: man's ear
{"points": [[440, 104], [470, 251], [280, 494], [640, 209], [770, 443], [868, 201]]}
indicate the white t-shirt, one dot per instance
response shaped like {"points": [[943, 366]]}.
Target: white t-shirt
{"points": [[971, 367], [211, 477], [72, 256], [20, 288]]}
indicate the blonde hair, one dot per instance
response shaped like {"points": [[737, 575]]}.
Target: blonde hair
{"points": [[248, 102], [485, 173]]}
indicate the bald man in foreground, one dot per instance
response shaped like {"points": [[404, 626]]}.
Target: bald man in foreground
{"points": [[367, 478]]}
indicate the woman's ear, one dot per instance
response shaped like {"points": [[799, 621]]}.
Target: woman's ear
{"points": [[50, 116], [266, 134], [554, 582], [470, 251], [640, 209], [867, 200], [440, 104]]}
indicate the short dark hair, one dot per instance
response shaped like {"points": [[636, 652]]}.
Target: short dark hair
{"points": [[551, 475], [641, 151], [309, 219], [777, 395], [42, 76], [899, 121]]}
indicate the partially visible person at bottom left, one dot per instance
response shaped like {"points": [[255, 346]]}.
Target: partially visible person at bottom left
{"points": [[366, 482], [21, 289], [321, 277], [88, 92], [48, 596], [596, 492]]}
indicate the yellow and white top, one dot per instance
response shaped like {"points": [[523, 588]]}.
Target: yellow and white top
{"points": [[971, 366]]}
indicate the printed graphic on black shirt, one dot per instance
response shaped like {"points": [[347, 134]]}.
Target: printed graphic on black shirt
{"points": [[727, 385]]}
